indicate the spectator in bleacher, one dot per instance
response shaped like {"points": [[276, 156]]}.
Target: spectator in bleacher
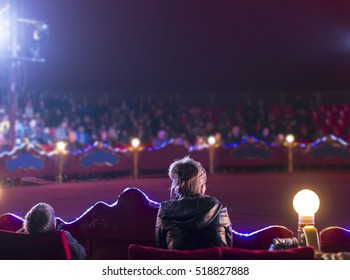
{"points": [[190, 219], [61, 132], [28, 110], [200, 143], [160, 139], [250, 117], [82, 137], [41, 219], [45, 137], [235, 135], [266, 136], [144, 115]]}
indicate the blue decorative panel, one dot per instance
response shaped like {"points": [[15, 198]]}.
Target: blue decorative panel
{"points": [[99, 158], [329, 151], [24, 161]]}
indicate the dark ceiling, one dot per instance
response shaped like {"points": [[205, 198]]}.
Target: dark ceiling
{"points": [[193, 45]]}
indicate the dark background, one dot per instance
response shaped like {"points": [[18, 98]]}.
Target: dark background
{"points": [[192, 45]]}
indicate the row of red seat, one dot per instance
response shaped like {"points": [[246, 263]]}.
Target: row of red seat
{"points": [[107, 231]]}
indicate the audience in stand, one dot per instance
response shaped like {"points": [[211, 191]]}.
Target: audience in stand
{"points": [[190, 219], [41, 219], [113, 119]]}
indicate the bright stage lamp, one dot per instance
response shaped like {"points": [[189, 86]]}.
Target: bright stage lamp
{"points": [[211, 140], [290, 138], [306, 204], [135, 143], [40, 33]]}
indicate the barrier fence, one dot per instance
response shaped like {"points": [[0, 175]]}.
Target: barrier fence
{"points": [[30, 161]]}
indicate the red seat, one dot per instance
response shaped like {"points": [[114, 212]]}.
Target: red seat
{"points": [[300, 253], [23, 246], [10, 222], [106, 231], [138, 252], [335, 239]]}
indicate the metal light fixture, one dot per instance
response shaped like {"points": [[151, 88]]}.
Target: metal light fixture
{"points": [[40, 32], [60, 149], [306, 203], [135, 143], [290, 142], [211, 142], [20, 40]]}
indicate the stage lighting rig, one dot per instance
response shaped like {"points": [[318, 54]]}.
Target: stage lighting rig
{"points": [[20, 40]]}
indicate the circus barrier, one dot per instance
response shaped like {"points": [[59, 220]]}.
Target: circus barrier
{"points": [[30, 161]]}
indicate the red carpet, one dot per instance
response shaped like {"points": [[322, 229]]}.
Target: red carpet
{"points": [[254, 200]]}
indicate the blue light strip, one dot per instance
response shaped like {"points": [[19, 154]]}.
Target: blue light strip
{"points": [[257, 231], [152, 202]]}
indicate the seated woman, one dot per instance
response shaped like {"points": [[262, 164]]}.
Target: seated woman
{"points": [[190, 219], [40, 219]]}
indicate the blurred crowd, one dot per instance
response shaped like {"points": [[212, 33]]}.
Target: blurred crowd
{"points": [[44, 118]]}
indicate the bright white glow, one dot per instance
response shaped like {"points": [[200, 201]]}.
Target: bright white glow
{"points": [[306, 202], [211, 140], [4, 9], [61, 146], [5, 33], [135, 142], [290, 138]]}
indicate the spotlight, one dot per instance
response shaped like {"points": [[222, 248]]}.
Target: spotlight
{"points": [[40, 33]]}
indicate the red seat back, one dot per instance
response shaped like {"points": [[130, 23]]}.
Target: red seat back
{"points": [[106, 231], [137, 252], [10, 222], [301, 253], [23, 246], [335, 239]]}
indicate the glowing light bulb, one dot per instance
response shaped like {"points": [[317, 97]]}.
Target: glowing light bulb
{"points": [[211, 140], [61, 146], [290, 138], [306, 202], [135, 142]]}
